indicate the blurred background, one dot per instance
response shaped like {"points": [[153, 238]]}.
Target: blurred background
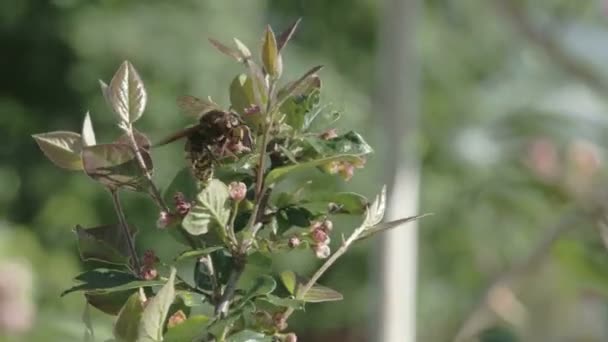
{"points": [[506, 123]]}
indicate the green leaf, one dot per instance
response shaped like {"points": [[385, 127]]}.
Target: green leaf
{"points": [[127, 324], [249, 336], [242, 48], [319, 293], [263, 285], [103, 243], [109, 302], [349, 143], [88, 134], [279, 173], [348, 202], [155, 313], [195, 107], [300, 85], [298, 106], [293, 216], [286, 35], [190, 330], [126, 93], [241, 94], [290, 281], [183, 182], [283, 302], [62, 148], [103, 280], [259, 85], [115, 166], [271, 58], [197, 253], [212, 207], [381, 227]]}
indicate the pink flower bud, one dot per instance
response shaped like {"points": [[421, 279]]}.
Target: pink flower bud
{"points": [[320, 236], [322, 251], [238, 191], [294, 242], [329, 134], [148, 273], [182, 206], [253, 109], [176, 319], [164, 219], [279, 321]]}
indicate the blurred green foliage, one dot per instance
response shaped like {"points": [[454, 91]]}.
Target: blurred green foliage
{"points": [[510, 140]]}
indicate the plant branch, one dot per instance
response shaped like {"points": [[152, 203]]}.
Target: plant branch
{"points": [[125, 229], [154, 192], [513, 12]]}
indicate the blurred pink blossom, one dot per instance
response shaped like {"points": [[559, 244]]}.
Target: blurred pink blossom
{"points": [[16, 305]]}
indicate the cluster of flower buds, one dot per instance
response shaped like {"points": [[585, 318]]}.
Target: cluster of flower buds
{"points": [[182, 205], [176, 319], [319, 232], [148, 268], [346, 169], [237, 191]]}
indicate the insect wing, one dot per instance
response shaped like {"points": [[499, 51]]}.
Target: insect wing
{"points": [[193, 106]]}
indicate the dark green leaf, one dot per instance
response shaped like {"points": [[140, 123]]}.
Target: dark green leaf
{"points": [[348, 202], [183, 182], [155, 313], [190, 330], [109, 302], [104, 243], [127, 324], [108, 280], [349, 143], [115, 166], [62, 148], [126, 93], [212, 208], [262, 285], [197, 253]]}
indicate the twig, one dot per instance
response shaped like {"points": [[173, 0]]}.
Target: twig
{"points": [[326, 265], [552, 48], [469, 327], [125, 229], [154, 192]]}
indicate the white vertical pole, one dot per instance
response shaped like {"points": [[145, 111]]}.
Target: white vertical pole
{"points": [[397, 101]]}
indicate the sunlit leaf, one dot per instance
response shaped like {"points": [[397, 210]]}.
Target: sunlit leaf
{"points": [[88, 134], [381, 227], [249, 336], [290, 281], [115, 166], [319, 293], [155, 313], [242, 48], [259, 86], [127, 324], [280, 172], [375, 212], [273, 63], [195, 107], [301, 103], [241, 93], [190, 330], [126, 93], [349, 143], [106, 280], [228, 51], [103, 243], [211, 208], [62, 148], [284, 37]]}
